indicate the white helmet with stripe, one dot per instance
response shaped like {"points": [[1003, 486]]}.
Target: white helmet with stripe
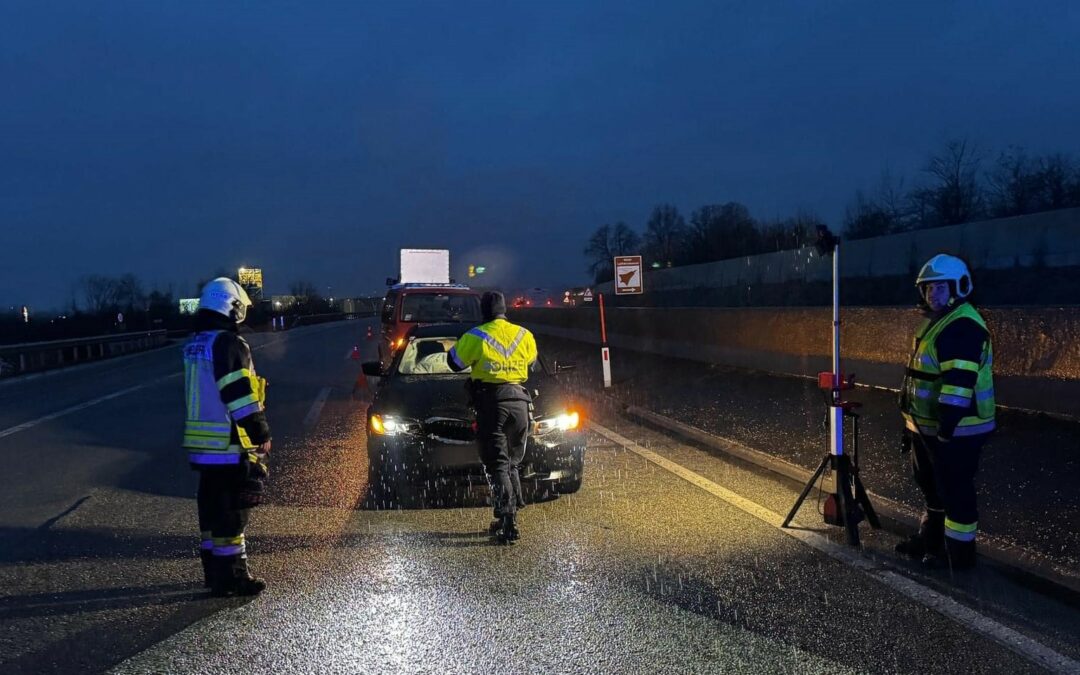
{"points": [[225, 296], [945, 267]]}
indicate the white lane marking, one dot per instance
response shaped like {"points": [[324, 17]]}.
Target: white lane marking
{"points": [[316, 407], [82, 406], [1035, 652]]}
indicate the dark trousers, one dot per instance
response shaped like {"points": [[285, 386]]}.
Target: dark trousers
{"points": [[221, 520], [502, 430], [945, 472]]}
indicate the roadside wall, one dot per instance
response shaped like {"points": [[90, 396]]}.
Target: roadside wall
{"points": [[1036, 350], [1040, 250]]}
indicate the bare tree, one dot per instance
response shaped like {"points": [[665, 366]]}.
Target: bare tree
{"points": [[599, 256], [98, 293], [604, 244], [955, 193], [666, 235], [721, 231], [1014, 184], [129, 294]]}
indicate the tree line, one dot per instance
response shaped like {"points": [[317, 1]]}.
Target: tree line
{"points": [[956, 185]]}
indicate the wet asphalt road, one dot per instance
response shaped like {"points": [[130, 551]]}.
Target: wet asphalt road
{"points": [[641, 571]]}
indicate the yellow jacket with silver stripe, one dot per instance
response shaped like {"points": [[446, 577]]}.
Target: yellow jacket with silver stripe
{"points": [[498, 352], [224, 399], [949, 387]]}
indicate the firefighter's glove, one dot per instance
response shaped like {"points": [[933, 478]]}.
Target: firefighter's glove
{"points": [[905, 442], [253, 485]]}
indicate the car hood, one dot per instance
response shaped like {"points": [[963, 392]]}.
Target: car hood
{"points": [[444, 396], [423, 397]]}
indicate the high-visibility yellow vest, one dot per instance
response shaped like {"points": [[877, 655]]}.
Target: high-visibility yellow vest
{"points": [[211, 435], [924, 390], [498, 351]]}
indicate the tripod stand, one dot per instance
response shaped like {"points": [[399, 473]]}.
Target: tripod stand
{"points": [[850, 498]]}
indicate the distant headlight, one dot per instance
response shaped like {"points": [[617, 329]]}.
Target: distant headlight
{"points": [[389, 425], [567, 421]]}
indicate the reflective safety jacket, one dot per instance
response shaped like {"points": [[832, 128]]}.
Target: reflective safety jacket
{"points": [[498, 351], [224, 399], [949, 387]]}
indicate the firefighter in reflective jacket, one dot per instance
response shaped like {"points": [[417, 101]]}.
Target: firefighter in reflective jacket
{"points": [[500, 355], [947, 403], [226, 435]]}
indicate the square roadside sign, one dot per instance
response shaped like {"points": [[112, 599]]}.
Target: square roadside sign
{"points": [[628, 276]]}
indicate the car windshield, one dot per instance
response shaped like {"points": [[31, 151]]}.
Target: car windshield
{"points": [[440, 308], [427, 356]]}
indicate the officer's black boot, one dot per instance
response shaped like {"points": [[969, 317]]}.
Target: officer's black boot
{"points": [[508, 533], [961, 554], [233, 578], [207, 567], [929, 540]]}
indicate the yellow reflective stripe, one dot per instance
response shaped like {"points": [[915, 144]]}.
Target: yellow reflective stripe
{"points": [[960, 364], [241, 402], [961, 527], [233, 377], [228, 541], [949, 389]]}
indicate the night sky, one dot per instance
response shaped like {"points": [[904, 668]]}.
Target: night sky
{"points": [[175, 139]]}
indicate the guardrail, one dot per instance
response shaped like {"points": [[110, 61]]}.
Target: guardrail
{"points": [[33, 356]]}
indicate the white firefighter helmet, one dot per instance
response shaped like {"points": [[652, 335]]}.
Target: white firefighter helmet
{"points": [[225, 296], [945, 267]]}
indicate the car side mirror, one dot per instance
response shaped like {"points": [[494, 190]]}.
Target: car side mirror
{"points": [[563, 367], [372, 368]]}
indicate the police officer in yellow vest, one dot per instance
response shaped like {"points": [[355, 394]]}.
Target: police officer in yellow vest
{"points": [[500, 355], [947, 403], [226, 435]]}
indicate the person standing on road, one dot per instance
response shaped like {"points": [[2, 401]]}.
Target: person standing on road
{"points": [[226, 435], [500, 355], [947, 402]]}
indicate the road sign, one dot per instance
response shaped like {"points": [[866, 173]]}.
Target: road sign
{"points": [[628, 280], [587, 295]]}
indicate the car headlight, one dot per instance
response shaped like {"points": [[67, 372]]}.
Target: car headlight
{"points": [[567, 421], [391, 425]]}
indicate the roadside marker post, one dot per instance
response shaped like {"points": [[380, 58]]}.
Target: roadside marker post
{"points": [[605, 353]]}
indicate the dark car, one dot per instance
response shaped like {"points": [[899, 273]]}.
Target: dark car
{"points": [[421, 431], [408, 305]]}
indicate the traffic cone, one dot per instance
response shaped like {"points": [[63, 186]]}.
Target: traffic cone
{"points": [[355, 353], [370, 333]]}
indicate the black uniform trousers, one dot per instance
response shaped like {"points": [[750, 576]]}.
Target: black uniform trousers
{"points": [[220, 515], [502, 431], [945, 472]]}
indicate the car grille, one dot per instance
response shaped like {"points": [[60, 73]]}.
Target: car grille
{"points": [[449, 430]]}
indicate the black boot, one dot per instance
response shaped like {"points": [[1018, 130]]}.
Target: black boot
{"points": [[207, 567], [961, 554], [929, 540], [233, 578], [508, 533]]}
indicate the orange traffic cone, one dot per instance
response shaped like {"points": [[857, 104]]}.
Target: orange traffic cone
{"points": [[355, 353], [370, 333]]}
